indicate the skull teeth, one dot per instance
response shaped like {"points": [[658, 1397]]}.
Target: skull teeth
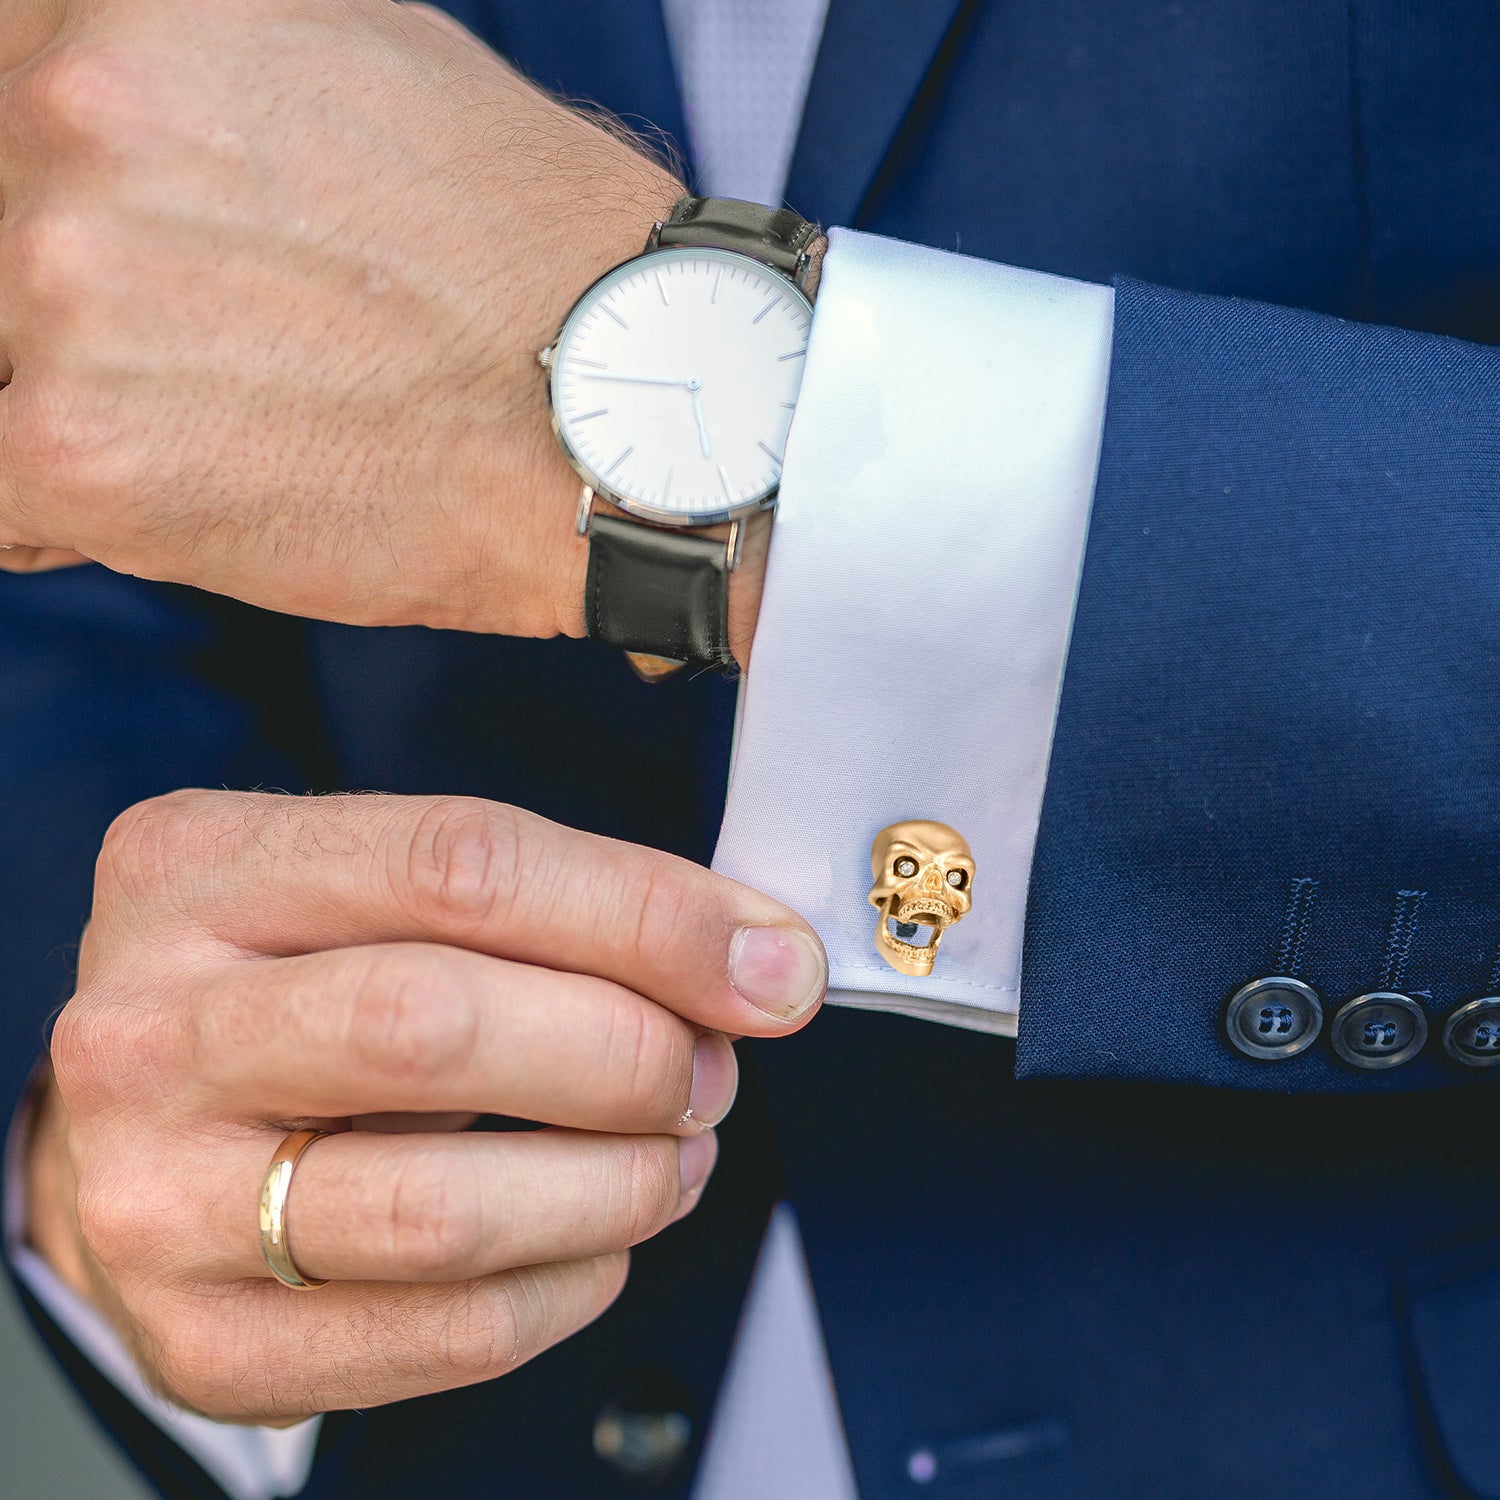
{"points": [[920, 908]]}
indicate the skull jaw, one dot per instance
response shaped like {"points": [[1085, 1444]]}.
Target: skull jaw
{"points": [[910, 958]]}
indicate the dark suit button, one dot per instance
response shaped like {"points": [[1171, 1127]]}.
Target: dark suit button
{"points": [[1379, 1030], [644, 1432], [1270, 1019], [1472, 1034]]}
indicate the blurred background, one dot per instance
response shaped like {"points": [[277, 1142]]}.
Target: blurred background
{"points": [[52, 1449]]}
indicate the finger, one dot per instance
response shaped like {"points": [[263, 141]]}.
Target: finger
{"points": [[21, 540], [282, 875], [260, 1352], [18, 559], [415, 1027], [9, 488], [415, 1122], [29, 531], [367, 1207]]}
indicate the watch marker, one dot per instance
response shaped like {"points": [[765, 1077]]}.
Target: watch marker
{"points": [[605, 307], [619, 460], [718, 281], [593, 364], [724, 480], [589, 415], [661, 286], [789, 406], [770, 453], [772, 303], [781, 359], [666, 488]]}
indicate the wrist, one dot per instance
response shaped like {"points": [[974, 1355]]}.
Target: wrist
{"points": [[815, 253], [669, 399], [523, 496], [746, 585]]}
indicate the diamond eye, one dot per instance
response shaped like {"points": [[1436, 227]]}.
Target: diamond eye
{"points": [[957, 879], [906, 867]]}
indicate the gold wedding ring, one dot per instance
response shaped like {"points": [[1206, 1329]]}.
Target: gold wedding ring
{"points": [[273, 1195]]}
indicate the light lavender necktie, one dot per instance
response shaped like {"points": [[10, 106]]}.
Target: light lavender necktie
{"points": [[745, 67]]}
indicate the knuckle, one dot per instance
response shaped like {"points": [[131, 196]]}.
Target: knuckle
{"points": [[674, 910], [650, 1186], [51, 254], [646, 1063], [432, 1231], [63, 445], [664, 911], [409, 1026], [169, 844], [86, 95], [136, 1221], [504, 1320], [67, 441], [610, 1273], [184, 1362], [148, 844], [222, 1019], [492, 1327], [81, 1054], [462, 862], [256, 1376], [108, 1046], [427, 12], [110, 1220]]}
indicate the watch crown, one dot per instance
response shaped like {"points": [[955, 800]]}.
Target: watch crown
{"points": [[544, 357]]}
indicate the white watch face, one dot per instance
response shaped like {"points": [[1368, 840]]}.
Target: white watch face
{"points": [[674, 380]]}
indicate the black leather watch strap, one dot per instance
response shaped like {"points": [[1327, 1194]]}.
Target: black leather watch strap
{"points": [[658, 592], [776, 236], [661, 592]]}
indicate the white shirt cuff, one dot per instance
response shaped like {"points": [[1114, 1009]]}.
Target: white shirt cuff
{"points": [[248, 1463], [924, 566]]}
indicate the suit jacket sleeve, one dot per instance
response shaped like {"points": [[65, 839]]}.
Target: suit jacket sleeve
{"points": [[1275, 746], [1278, 743]]}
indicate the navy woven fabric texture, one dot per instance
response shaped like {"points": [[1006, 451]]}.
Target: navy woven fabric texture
{"points": [[1284, 666]]}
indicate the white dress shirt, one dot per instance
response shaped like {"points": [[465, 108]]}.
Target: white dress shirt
{"points": [[908, 660], [924, 564]]}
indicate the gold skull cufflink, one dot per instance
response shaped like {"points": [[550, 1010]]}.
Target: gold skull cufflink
{"points": [[924, 882]]}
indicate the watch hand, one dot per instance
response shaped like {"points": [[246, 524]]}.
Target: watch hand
{"points": [[686, 385], [692, 387], [703, 442]]}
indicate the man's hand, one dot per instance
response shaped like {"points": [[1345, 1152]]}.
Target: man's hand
{"points": [[256, 964], [272, 275]]}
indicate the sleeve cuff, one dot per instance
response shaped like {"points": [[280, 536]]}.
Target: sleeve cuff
{"points": [[910, 649]]}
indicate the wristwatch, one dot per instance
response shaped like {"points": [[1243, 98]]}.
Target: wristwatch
{"points": [[671, 386]]}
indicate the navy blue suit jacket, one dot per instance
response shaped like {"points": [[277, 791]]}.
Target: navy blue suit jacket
{"points": [[1115, 1258]]}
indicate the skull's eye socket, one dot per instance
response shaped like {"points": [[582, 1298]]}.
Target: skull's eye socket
{"points": [[958, 879], [905, 867]]}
